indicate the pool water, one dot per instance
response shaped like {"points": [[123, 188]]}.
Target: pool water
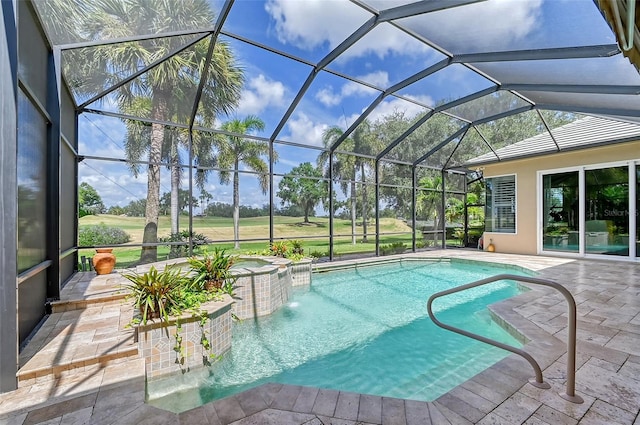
{"points": [[363, 330], [244, 263]]}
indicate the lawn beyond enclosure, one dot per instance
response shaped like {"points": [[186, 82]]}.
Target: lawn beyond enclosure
{"points": [[219, 228]]}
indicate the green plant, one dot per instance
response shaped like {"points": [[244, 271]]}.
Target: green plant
{"points": [[295, 257], [100, 234], [178, 347], [296, 247], [213, 270], [156, 293], [204, 340], [398, 247], [392, 248], [176, 251], [316, 254], [279, 249]]}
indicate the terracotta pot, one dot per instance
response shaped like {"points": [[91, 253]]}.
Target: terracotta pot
{"points": [[491, 248], [104, 261]]}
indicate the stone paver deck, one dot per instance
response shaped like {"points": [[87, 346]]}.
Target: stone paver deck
{"points": [[89, 325], [112, 391]]}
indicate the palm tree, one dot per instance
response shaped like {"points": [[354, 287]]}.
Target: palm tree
{"points": [[344, 170], [165, 92], [429, 201], [234, 150], [346, 167]]}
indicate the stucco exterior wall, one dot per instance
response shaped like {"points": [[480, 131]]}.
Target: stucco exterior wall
{"points": [[524, 241]]}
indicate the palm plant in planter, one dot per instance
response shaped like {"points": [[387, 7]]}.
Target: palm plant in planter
{"points": [[156, 293], [213, 270]]}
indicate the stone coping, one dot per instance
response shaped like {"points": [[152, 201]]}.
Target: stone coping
{"points": [[210, 307], [271, 263], [347, 264]]}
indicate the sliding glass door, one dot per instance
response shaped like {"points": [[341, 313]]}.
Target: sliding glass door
{"points": [[591, 211], [607, 211], [560, 212]]}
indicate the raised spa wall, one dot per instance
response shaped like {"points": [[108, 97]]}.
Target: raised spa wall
{"points": [[259, 291]]}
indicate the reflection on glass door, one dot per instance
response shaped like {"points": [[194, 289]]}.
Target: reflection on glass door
{"points": [[638, 210], [607, 211], [560, 212]]}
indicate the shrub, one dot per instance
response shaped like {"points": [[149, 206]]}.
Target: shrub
{"points": [[296, 247], [100, 234], [213, 271], [317, 254], [155, 293], [177, 251], [392, 248], [279, 249]]}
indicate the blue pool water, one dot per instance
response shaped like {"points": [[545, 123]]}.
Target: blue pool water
{"points": [[363, 330]]}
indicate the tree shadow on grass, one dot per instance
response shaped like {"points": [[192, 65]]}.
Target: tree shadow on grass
{"points": [[310, 225]]}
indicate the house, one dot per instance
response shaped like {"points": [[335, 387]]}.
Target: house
{"points": [[544, 196]]}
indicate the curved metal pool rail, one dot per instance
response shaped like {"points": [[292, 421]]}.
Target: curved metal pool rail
{"points": [[570, 394]]}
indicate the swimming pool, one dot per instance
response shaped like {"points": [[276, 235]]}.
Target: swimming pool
{"points": [[363, 330]]}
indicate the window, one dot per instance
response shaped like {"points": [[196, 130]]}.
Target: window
{"points": [[501, 204]]}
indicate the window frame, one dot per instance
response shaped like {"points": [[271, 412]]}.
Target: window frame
{"points": [[490, 206]]}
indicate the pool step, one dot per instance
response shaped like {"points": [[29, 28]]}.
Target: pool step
{"points": [[419, 387], [113, 298], [72, 341], [87, 289]]}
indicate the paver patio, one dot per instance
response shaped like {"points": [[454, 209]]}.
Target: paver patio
{"points": [[83, 367]]}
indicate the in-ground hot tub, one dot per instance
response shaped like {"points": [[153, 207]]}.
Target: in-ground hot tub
{"points": [[263, 283]]}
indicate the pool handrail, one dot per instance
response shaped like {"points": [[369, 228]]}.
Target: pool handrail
{"points": [[570, 394]]}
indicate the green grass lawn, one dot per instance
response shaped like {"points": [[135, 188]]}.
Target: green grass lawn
{"points": [[218, 228]]}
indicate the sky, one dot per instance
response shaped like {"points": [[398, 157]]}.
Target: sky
{"points": [[309, 30]]}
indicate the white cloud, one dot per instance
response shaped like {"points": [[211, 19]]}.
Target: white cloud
{"points": [[383, 40], [101, 136], [328, 97], [312, 23], [390, 106], [118, 187], [290, 162], [260, 93], [309, 24], [303, 130], [492, 25]]}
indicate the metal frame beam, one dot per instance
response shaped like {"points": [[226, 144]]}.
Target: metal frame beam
{"points": [[196, 103], [142, 71], [441, 144], [591, 110], [54, 78], [97, 43], [601, 51], [486, 142], [575, 88], [440, 108], [502, 115], [444, 166], [8, 197], [396, 87], [348, 42], [544, 122], [420, 8]]}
